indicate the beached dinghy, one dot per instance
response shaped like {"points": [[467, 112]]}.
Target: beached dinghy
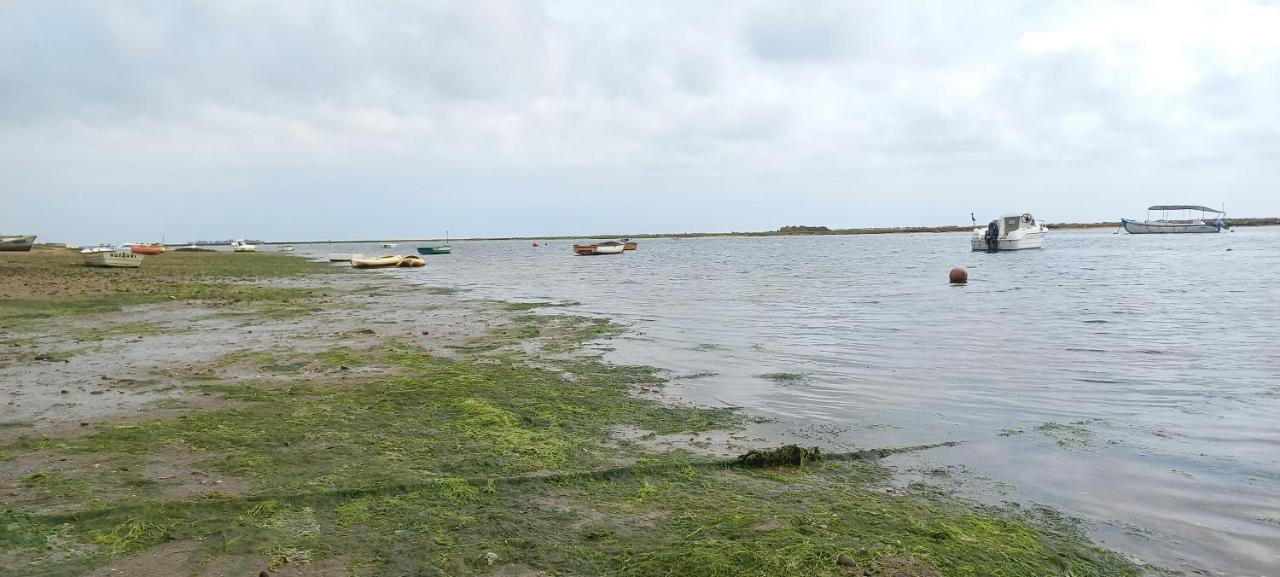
{"points": [[117, 259], [1187, 224], [1009, 232], [17, 243], [147, 249], [388, 261]]}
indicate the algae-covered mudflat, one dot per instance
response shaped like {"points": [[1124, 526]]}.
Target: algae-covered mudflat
{"points": [[225, 414]]}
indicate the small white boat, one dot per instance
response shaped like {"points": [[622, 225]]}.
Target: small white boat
{"points": [[17, 243], [286, 249], [242, 246], [1187, 224], [610, 247], [344, 256], [1009, 232], [388, 245], [97, 249], [116, 259]]}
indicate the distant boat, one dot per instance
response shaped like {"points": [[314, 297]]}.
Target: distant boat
{"points": [[286, 249], [610, 247], [242, 246], [1177, 226], [628, 244], [17, 243], [99, 248], [411, 261], [1009, 232], [439, 249], [388, 245], [116, 259], [147, 249]]}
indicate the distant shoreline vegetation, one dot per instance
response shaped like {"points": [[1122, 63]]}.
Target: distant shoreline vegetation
{"points": [[789, 230]]}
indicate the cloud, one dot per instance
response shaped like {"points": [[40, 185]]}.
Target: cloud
{"points": [[862, 91]]}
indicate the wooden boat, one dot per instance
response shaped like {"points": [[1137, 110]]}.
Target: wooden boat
{"points": [[116, 259], [628, 244], [389, 261], [147, 249], [17, 243], [611, 247], [1188, 224]]}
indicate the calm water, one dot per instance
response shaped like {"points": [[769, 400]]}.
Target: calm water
{"points": [[1136, 379]]}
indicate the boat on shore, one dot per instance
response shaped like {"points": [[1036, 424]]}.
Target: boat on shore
{"points": [[17, 243], [114, 259], [242, 246], [1186, 225], [147, 249], [610, 247], [1009, 232], [389, 261], [344, 256], [286, 249], [99, 248]]}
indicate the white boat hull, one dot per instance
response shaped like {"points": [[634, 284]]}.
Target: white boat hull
{"points": [[117, 259], [1136, 227], [609, 249], [19, 243]]}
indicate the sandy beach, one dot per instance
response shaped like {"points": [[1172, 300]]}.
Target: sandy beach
{"points": [[221, 414]]}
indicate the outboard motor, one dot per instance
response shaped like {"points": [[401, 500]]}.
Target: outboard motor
{"points": [[992, 238]]}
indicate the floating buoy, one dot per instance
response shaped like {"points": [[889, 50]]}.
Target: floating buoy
{"points": [[958, 275]]}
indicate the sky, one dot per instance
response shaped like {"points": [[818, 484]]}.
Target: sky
{"points": [[296, 120]]}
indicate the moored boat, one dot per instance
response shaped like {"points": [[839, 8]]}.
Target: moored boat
{"points": [[388, 261], [388, 245], [440, 249], [147, 249], [1009, 232], [17, 243], [610, 247], [113, 259], [1176, 226], [286, 249], [628, 244]]}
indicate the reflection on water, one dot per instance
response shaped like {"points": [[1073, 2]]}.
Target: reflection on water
{"points": [[1130, 380]]}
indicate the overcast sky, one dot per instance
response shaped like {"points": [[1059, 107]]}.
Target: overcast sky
{"points": [[131, 120]]}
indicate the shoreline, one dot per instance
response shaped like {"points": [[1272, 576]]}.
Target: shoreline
{"points": [[280, 416]]}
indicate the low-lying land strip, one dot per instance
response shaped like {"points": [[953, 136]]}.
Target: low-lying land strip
{"points": [[225, 414]]}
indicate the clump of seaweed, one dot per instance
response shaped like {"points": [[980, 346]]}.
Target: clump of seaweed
{"points": [[786, 455]]}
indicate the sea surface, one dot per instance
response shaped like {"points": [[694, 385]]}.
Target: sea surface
{"points": [[1130, 381]]}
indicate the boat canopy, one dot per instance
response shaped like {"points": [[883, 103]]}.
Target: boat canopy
{"points": [[1185, 207]]}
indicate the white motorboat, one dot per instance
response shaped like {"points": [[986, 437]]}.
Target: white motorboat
{"points": [[116, 259], [1009, 232], [242, 246], [388, 245], [1187, 224]]}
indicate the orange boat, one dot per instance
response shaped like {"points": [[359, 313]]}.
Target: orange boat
{"points": [[151, 249]]}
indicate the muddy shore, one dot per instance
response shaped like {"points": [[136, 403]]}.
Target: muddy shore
{"points": [[223, 414]]}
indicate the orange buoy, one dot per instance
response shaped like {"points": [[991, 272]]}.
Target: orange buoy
{"points": [[959, 275]]}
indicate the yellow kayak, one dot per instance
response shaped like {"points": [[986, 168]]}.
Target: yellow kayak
{"points": [[389, 261]]}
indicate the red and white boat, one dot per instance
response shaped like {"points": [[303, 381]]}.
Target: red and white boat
{"points": [[611, 247]]}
